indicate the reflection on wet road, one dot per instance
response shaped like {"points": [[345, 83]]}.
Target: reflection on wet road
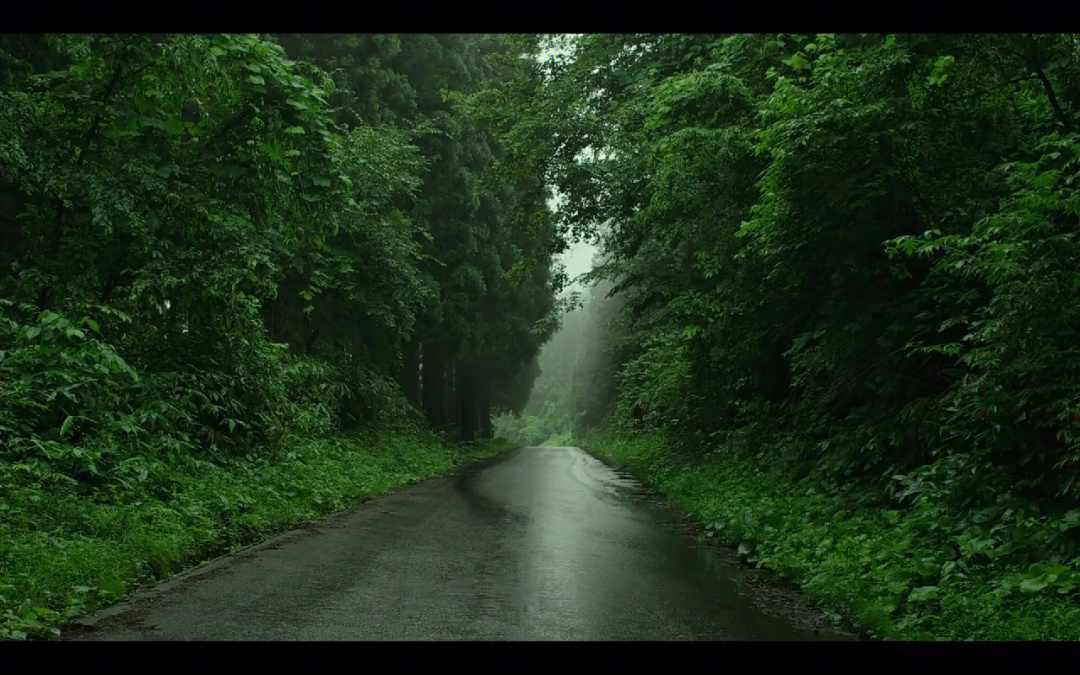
{"points": [[538, 543]]}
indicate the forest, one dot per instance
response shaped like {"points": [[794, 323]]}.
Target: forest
{"points": [[248, 280]]}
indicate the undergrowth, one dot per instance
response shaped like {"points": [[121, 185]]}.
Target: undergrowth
{"points": [[911, 566], [63, 554]]}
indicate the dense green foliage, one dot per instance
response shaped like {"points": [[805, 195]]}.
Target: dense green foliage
{"points": [[865, 244], [223, 250], [488, 235]]}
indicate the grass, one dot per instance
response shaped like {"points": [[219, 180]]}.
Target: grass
{"points": [[892, 573], [63, 554]]}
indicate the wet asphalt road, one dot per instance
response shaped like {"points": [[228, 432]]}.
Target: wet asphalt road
{"points": [[537, 543]]}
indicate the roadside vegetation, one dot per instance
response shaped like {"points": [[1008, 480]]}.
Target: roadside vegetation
{"points": [[65, 555], [842, 307], [914, 569]]}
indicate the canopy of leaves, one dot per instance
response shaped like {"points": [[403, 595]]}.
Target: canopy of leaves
{"points": [[866, 241]]}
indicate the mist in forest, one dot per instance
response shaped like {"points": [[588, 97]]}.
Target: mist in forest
{"points": [[573, 389]]}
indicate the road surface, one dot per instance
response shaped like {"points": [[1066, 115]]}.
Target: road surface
{"points": [[537, 543]]}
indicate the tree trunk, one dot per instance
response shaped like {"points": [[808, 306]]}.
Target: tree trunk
{"points": [[434, 385], [466, 406], [484, 411], [410, 373]]}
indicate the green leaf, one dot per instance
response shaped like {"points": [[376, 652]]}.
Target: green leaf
{"points": [[923, 593], [797, 62], [1033, 585]]}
